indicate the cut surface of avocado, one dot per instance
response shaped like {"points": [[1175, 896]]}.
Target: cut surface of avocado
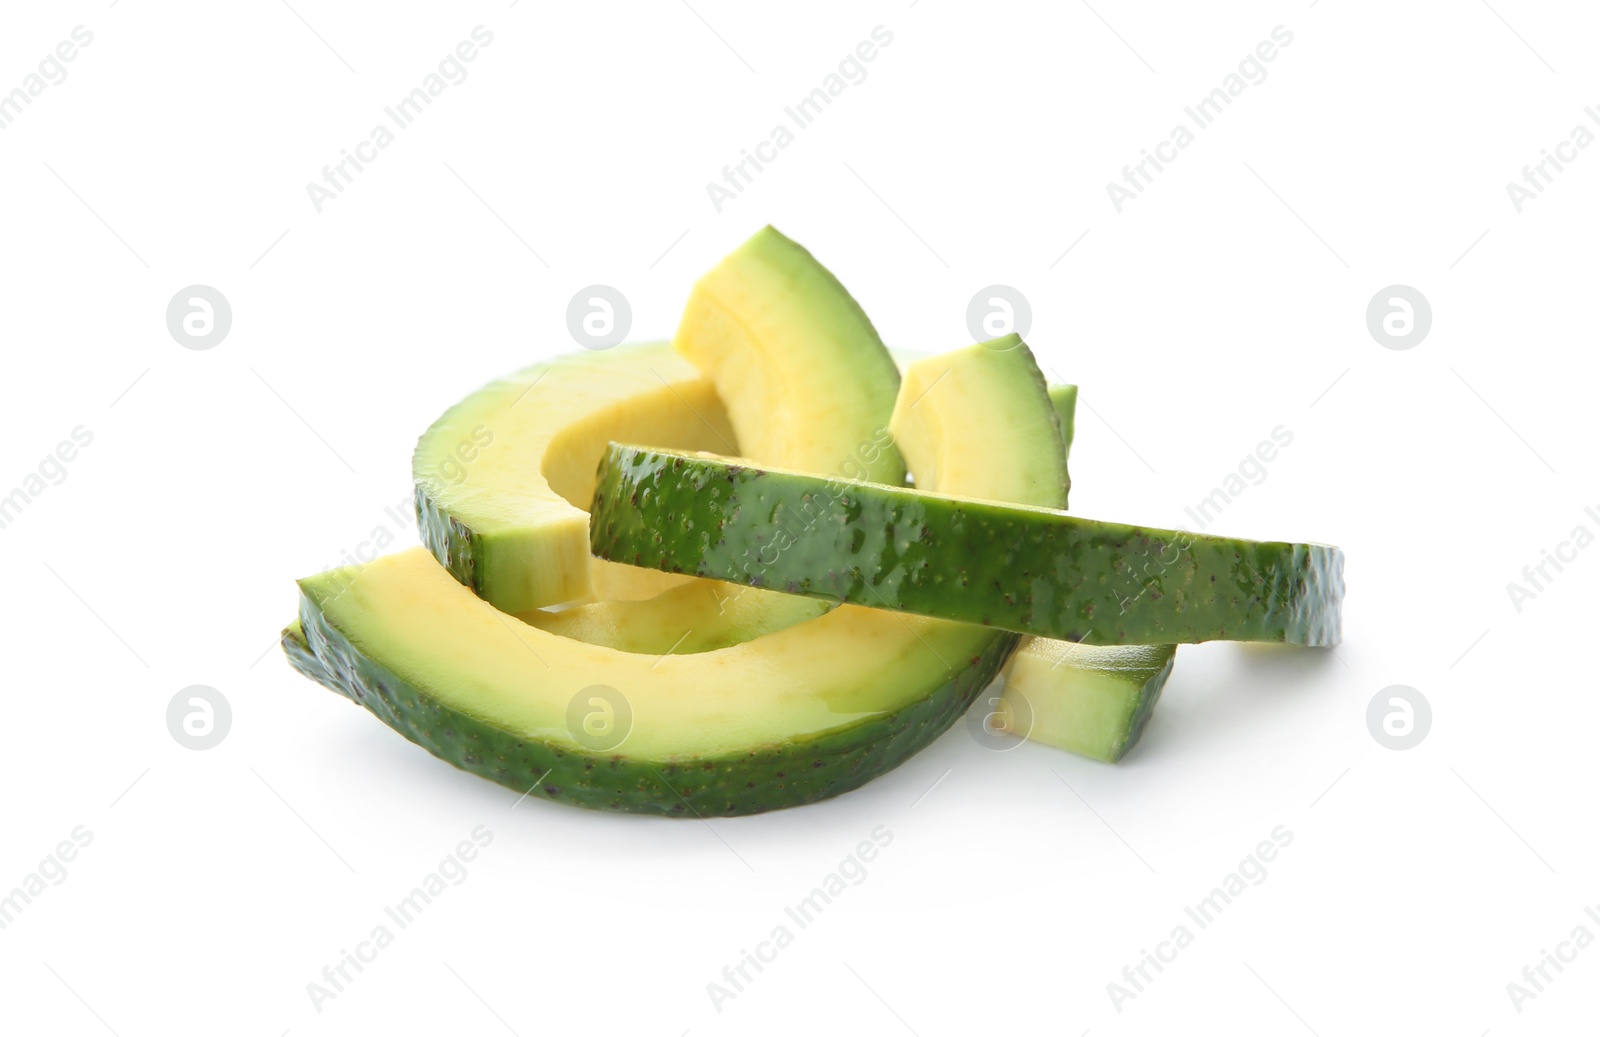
{"points": [[988, 396], [1093, 700], [1064, 398], [805, 378], [503, 477], [682, 620], [1032, 570], [797, 715]]}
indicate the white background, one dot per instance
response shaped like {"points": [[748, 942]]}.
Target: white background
{"points": [[1228, 299]]}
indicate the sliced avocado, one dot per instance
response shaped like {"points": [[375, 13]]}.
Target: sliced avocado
{"points": [[711, 614], [1093, 700], [503, 477], [798, 715], [954, 556], [999, 381], [805, 378], [811, 386]]}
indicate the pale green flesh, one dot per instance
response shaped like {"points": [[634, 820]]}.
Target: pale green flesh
{"points": [[503, 476], [1064, 398], [710, 614], [814, 677], [404, 619], [805, 378], [1087, 699], [988, 394]]}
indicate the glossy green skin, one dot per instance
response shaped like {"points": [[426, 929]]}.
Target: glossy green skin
{"points": [[774, 777], [1032, 571], [458, 548], [1065, 689], [1144, 707]]}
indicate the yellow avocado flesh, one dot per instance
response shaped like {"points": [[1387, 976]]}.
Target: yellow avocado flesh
{"points": [[1092, 700], [407, 614], [406, 611], [505, 476], [806, 381]]}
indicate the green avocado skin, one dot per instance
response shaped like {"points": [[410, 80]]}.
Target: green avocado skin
{"points": [[779, 776], [452, 541], [1144, 707], [1042, 573]]}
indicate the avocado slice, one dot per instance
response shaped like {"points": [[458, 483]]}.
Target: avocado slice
{"points": [[958, 556], [711, 614], [805, 378], [1093, 700], [800, 715], [797, 715], [503, 477]]}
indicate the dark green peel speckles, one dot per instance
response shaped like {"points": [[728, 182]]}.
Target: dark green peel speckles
{"points": [[451, 540], [1029, 570]]}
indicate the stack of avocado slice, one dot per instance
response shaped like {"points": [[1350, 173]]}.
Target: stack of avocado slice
{"points": [[770, 615]]}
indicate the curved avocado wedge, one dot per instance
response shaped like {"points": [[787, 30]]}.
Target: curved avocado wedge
{"points": [[1027, 569], [797, 715], [503, 477], [805, 378]]}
